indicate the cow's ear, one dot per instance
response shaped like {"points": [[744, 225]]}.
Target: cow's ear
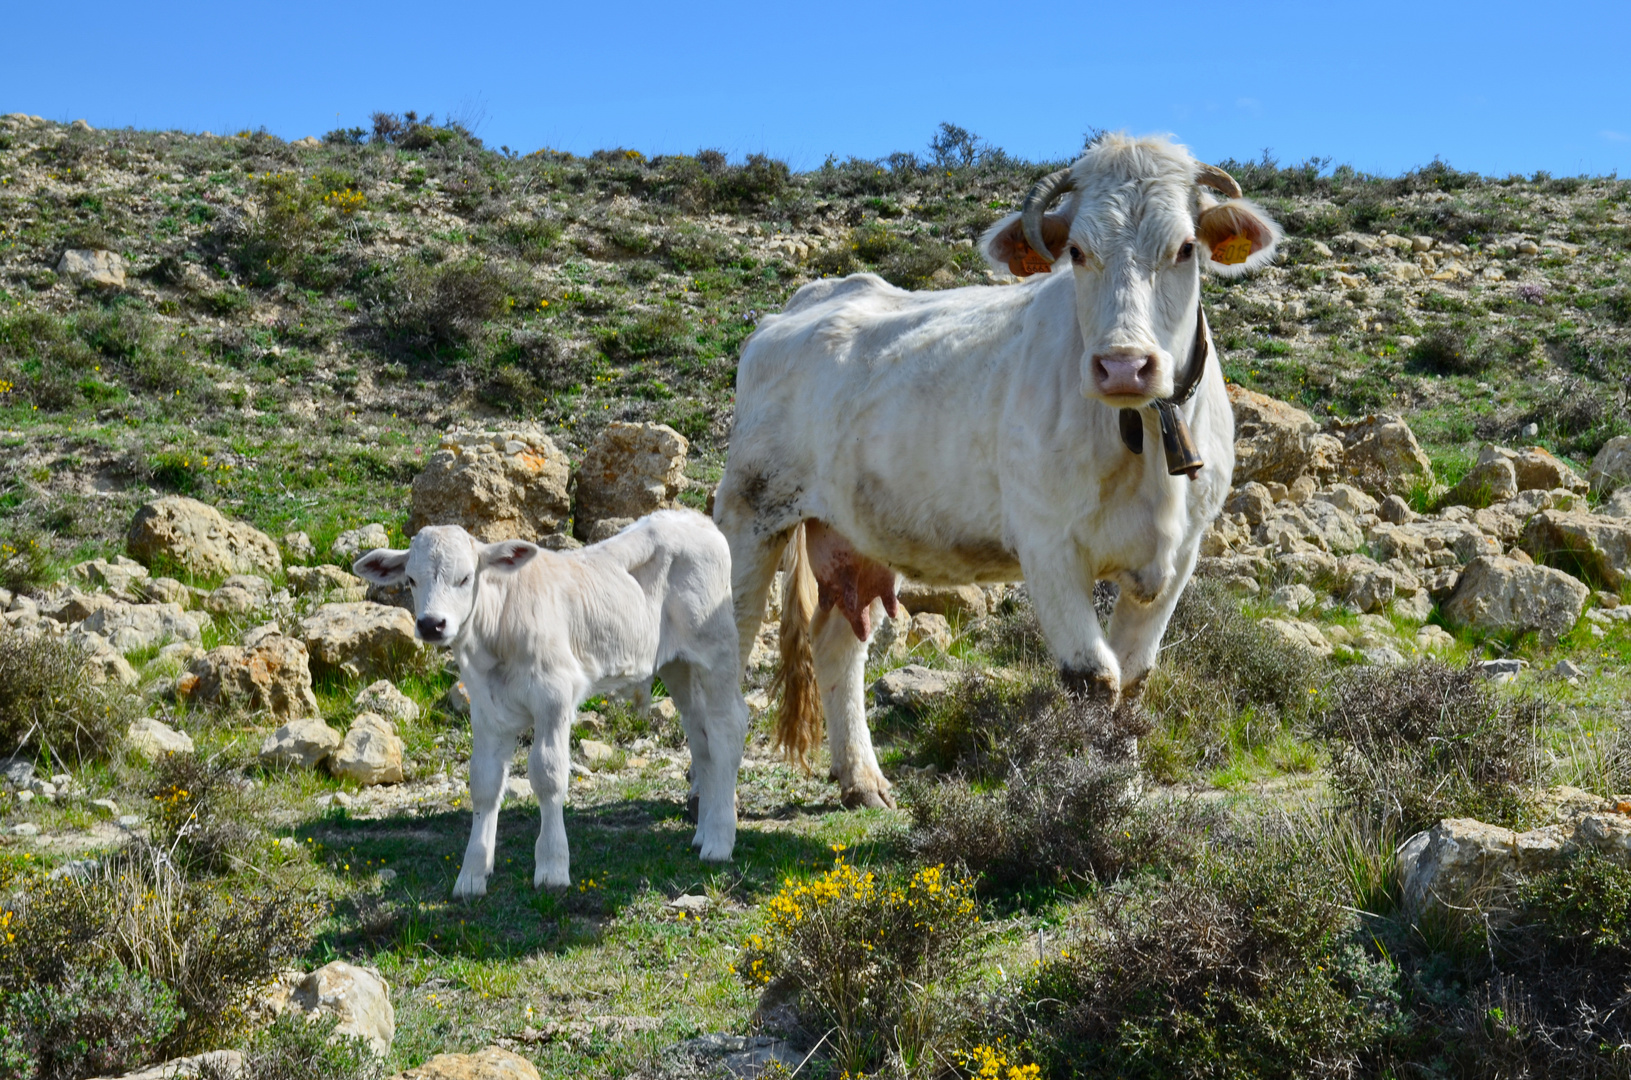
{"points": [[1008, 253], [382, 566], [1236, 236], [508, 555]]}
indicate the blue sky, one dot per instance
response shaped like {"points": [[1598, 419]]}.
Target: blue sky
{"points": [[1493, 86]]}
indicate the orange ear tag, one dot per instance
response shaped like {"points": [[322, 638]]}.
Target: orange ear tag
{"points": [[1025, 262], [1236, 249]]}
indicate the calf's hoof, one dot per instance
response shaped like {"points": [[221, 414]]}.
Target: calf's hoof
{"points": [[1088, 685], [469, 886], [546, 879]]}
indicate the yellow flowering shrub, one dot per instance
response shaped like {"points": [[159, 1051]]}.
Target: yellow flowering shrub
{"points": [[991, 1062], [866, 955]]}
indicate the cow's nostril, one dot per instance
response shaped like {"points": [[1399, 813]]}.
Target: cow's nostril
{"points": [[431, 627]]}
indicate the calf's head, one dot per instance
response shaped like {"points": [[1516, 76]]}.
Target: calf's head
{"points": [[1140, 222], [443, 566]]}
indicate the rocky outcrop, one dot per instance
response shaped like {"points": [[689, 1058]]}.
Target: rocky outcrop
{"points": [[358, 997], [1599, 547], [199, 538], [273, 677], [1502, 594], [371, 752], [629, 471], [359, 638], [493, 1063], [1271, 437], [509, 485], [124, 578], [130, 627], [306, 743], [1380, 455]]}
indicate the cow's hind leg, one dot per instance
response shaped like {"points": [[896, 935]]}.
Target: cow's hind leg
{"points": [[1062, 593], [840, 670], [549, 767], [756, 549]]}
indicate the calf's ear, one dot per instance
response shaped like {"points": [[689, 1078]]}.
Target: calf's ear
{"points": [[1235, 236], [382, 566], [507, 555]]}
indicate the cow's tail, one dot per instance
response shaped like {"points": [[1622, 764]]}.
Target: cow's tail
{"points": [[798, 711]]}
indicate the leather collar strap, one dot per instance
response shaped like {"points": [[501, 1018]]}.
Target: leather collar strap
{"points": [[1183, 459]]}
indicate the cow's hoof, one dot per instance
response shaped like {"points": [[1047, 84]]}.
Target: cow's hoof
{"points": [[867, 798], [470, 886], [543, 879], [1133, 689], [1100, 687]]}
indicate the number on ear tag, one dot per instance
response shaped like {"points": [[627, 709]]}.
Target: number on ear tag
{"points": [[1025, 262], [1236, 249]]}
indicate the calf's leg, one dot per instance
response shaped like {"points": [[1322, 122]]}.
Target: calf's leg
{"points": [[722, 721], [490, 750], [840, 669], [549, 767]]}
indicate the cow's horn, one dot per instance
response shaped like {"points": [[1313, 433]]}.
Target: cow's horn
{"points": [[1215, 178], [1041, 196]]}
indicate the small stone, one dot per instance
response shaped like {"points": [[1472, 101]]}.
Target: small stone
{"points": [[259, 634], [359, 638], [1530, 430], [371, 753], [153, 739], [128, 821], [327, 581], [27, 828], [1568, 669], [1294, 598], [963, 601], [107, 806], [493, 1063], [200, 538], [913, 687], [306, 743], [354, 542], [299, 546], [690, 904], [103, 269], [931, 630], [239, 595], [517, 788], [596, 753], [1504, 669], [1434, 639], [384, 698], [386, 876], [664, 711], [358, 997], [629, 471]]}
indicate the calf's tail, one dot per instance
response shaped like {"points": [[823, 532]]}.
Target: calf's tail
{"points": [[798, 711]]}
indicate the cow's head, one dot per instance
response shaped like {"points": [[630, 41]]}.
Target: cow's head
{"points": [[1139, 222], [442, 566]]}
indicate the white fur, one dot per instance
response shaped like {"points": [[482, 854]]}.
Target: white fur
{"points": [[954, 436], [537, 632]]}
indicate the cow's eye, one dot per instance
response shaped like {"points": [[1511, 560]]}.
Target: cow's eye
{"points": [[1186, 251], [464, 581], [1076, 256]]}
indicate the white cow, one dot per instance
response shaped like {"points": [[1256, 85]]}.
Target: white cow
{"points": [[537, 632], [988, 434]]}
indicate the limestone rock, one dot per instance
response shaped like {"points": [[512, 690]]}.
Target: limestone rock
{"points": [[1599, 546], [1271, 437], [354, 542], [927, 628], [326, 580], [359, 638], [1617, 505], [629, 471], [103, 269], [371, 753], [130, 627], [1611, 468], [384, 698], [964, 601], [1492, 481], [216, 1064], [1252, 501], [239, 595], [1381, 455], [913, 687], [1295, 598], [306, 743], [1302, 634], [154, 738], [509, 485], [123, 577], [606, 528], [1461, 861], [493, 1063], [166, 590], [1536, 469], [358, 997], [1395, 511], [1498, 593], [198, 537], [596, 753], [1349, 499], [272, 677], [298, 546]]}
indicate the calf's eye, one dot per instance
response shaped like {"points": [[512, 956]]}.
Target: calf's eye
{"points": [[1186, 251], [1076, 256], [464, 581]]}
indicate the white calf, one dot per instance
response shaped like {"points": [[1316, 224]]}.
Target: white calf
{"points": [[537, 632]]}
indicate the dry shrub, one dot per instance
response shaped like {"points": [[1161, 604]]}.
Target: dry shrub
{"points": [[1068, 806], [97, 1021], [444, 306], [294, 1048], [208, 945], [1238, 969], [877, 960], [1424, 741], [49, 704], [203, 813]]}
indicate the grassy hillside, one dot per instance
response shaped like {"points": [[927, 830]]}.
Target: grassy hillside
{"points": [[298, 320]]}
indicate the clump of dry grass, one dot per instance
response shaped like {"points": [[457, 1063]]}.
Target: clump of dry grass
{"points": [[49, 704]]}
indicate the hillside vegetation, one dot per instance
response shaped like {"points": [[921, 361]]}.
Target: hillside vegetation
{"points": [[1268, 867]]}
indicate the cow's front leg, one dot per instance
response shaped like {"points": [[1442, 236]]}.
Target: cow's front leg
{"points": [[549, 766], [840, 669], [1062, 594], [1136, 628], [490, 749]]}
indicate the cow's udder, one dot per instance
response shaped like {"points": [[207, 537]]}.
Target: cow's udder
{"points": [[847, 579]]}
